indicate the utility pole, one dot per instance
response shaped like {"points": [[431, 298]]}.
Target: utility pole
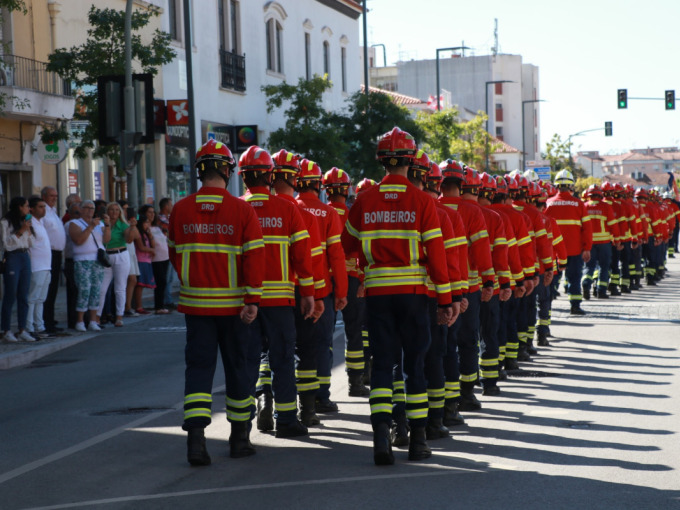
{"points": [[129, 105]]}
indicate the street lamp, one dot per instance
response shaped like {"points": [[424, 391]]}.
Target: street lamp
{"points": [[365, 53], [445, 49], [486, 108], [523, 145]]}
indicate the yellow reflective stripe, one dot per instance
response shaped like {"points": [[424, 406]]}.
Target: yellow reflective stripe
{"points": [[381, 393], [213, 199], [285, 406], [258, 196], [393, 187], [319, 284], [268, 239], [569, 222], [443, 288], [210, 303], [500, 241], [299, 236], [395, 271], [351, 230], [278, 294], [449, 243], [251, 245], [211, 291], [305, 374], [240, 404], [512, 242], [333, 239], [398, 280], [304, 282], [557, 240], [209, 248], [389, 234], [541, 233], [197, 397], [460, 241], [479, 235], [197, 412], [505, 274], [431, 234], [317, 251], [523, 241]]}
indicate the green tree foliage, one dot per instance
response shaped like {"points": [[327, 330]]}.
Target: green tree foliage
{"points": [[582, 183], [104, 54], [309, 129], [367, 118], [558, 153]]}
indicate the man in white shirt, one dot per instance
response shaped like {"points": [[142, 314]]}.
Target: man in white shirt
{"points": [[41, 265], [57, 237]]}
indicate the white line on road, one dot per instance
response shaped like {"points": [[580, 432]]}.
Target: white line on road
{"points": [[299, 483]]}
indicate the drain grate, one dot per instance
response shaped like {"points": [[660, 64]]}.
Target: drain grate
{"points": [[130, 410], [51, 363], [530, 373]]}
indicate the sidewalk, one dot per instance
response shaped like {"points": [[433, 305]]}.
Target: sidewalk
{"points": [[22, 353]]}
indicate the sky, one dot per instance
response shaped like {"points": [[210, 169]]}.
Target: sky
{"points": [[585, 51]]}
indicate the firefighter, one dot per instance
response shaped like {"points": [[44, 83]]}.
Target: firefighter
{"points": [[463, 337], [394, 228], [606, 237], [216, 246], [490, 310], [286, 170], [330, 228], [287, 254], [337, 183], [572, 218]]}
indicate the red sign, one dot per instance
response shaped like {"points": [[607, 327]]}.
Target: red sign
{"points": [[178, 112], [72, 182]]}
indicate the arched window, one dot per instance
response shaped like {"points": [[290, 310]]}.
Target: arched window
{"points": [[327, 59], [274, 16]]}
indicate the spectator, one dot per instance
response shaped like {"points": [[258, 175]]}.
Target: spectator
{"points": [[159, 262], [88, 233], [72, 212], [41, 265], [120, 261], [134, 266], [17, 236], [144, 247], [57, 237], [164, 211]]}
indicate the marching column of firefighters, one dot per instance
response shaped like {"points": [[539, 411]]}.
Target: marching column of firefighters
{"points": [[445, 279]]}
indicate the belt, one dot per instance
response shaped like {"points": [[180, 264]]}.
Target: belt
{"points": [[117, 250], [18, 250]]}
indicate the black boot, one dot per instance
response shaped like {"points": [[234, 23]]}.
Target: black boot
{"points": [[366, 376], [239, 440], [511, 364], [502, 374], [650, 281], [417, 446], [625, 289], [197, 454], [468, 401], [308, 415], [602, 293], [614, 290], [530, 346], [522, 353], [293, 429], [451, 415], [399, 430], [435, 429], [634, 283], [586, 294], [265, 412], [356, 386], [382, 449], [491, 390], [576, 308], [326, 406], [542, 339]]}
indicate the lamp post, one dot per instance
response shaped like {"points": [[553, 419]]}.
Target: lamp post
{"points": [[524, 152], [571, 162], [486, 109], [454, 48], [365, 52]]}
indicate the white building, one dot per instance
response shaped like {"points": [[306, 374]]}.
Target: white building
{"points": [[471, 82], [240, 46]]}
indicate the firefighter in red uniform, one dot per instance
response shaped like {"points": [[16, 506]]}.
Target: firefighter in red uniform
{"points": [[572, 218], [330, 228], [626, 228], [395, 229], [287, 254], [337, 182], [286, 170], [216, 246], [463, 337]]}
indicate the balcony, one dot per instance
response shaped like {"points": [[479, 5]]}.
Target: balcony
{"points": [[233, 69], [45, 94]]}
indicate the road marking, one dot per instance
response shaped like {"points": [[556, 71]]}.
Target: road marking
{"points": [[441, 471]]}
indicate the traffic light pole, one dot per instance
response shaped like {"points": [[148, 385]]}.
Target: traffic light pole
{"points": [[129, 105]]}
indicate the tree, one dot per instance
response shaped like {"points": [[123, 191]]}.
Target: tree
{"points": [[559, 155], [104, 54], [367, 118], [582, 183], [309, 129]]}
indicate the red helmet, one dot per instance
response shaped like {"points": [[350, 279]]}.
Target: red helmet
{"points": [[452, 169], [488, 181], [337, 182], [501, 185], [593, 191], [472, 181], [618, 189], [629, 189], [434, 177], [365, 184], [309, 171], [286, 162], [607, 188], [522, 182], [641, 193], [513, 186], [255, 159], [547, 189], [396, 148], [533, 190], [214, 155], [421, 162]]}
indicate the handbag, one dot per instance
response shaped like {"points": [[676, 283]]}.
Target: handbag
{"points": [[102, 256]]}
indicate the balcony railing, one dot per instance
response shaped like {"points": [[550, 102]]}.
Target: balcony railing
{"points": [[30, 74], [233, 69]]}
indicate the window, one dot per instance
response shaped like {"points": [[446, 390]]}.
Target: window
{"points": [[499, 132], [274, 49], [327, 59], [230, 34], [343, 63], [499, 112], [174, 16], [308, 56], [499, 88]]}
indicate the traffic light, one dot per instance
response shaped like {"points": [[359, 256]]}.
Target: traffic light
{"points": [[623, 98], [670, 100], [607, 128]]}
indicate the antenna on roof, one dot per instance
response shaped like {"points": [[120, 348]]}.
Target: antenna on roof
{"points": [[494, 50]]}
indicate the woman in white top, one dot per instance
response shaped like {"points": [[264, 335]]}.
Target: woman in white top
{"points": [[17, 237], [159, 262], [41, 268], [88, 272]]}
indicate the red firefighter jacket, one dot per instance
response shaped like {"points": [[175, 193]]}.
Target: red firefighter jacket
{"points": [[215, 245], [514, 258], [286, 245], [525, 243], [395, 228], [351, 259], [572, 218], [459, 244], [605, 226], [544, 252], [499, 246]]}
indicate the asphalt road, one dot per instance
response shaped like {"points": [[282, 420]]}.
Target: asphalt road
{"points": [[594, 424]]}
